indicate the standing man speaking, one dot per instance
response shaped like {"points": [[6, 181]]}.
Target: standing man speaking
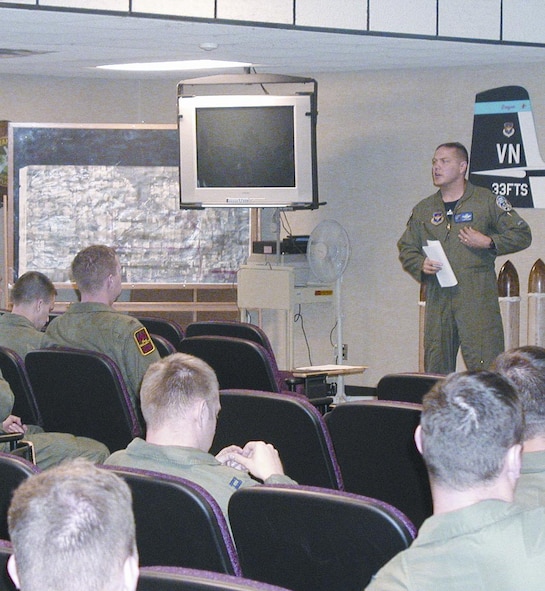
{"points": [[473, 226]]}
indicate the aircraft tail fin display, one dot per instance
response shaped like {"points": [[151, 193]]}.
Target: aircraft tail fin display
{"points": [[505, 155]]}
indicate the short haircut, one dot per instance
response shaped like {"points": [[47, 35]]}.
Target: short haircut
{"points": [[461, 150], [171, 384], [72, 529], [469, 422], [525, 367], [92, 265], [32, 286]]}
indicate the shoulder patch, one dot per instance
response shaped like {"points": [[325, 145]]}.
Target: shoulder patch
{"points": [[503, 203], [143, 341]]}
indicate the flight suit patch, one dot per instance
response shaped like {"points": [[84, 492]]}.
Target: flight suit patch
{"points": [[144, 341], [503, 203], [463, 216], [235, 482], [438, 217]]}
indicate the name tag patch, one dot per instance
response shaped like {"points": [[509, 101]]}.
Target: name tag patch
{"points": [[464, 216], [144, 342]]}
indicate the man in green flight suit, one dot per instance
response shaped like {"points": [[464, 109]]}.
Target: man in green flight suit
{"points": [[473, 226], [93, 324]]}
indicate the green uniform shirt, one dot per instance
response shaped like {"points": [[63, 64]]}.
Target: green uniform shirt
{"points": [[98, 327], [530, 490], [192, 464], [489, 546], [19, 334]]}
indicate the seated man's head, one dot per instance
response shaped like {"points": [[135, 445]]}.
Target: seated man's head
{"points": [[179, 397], [72, 529], [96, 269], [471, 425], [33, 296], [525, 367]]}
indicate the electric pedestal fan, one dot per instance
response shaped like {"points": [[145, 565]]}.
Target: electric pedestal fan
{"points": [[328, 251]]}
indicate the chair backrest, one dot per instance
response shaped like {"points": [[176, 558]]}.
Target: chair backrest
{"points": [[163, 346], [312, 539], [83, 393], [239, 330], [6, 550], [238, 363], [13, 471], [375, 449], [14, 371], [162, 578], [290, 423], [178, 523], [168, 329], [406, 387]]}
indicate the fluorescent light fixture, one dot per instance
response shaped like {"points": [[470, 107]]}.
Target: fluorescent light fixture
{"points": [[173, 66]]}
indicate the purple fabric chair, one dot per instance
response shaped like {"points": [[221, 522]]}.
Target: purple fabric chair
{"points": [[250, 332], [83, 392], [374, 443], [14, 372], [162, 578], [6, 550], [178, 523], [13, 471], [406, 387], [287, 421], [314, 539]]}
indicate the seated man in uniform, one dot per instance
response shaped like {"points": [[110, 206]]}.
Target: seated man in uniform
{"points": [[470, 436], [180, 403], [93, 324], [49, 448], [33, 297], [525, 367], [72, 529]]}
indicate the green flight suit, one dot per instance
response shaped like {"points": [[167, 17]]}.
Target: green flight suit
{"points": [[98, 327], [19, 334], [468, 314]]}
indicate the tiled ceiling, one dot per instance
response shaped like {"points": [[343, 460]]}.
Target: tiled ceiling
{"points": [[71, 44]]}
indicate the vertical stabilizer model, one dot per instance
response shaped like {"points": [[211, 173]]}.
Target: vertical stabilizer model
{"points": [[504, 150]]}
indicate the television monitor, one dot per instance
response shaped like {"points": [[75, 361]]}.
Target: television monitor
{"points": [[247, 151]]}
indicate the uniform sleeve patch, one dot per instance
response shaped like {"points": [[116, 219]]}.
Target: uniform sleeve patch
{"points": [[503, 203], [144, 341]]}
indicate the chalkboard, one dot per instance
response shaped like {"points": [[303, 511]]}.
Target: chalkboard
{"points": [[75, 185]]}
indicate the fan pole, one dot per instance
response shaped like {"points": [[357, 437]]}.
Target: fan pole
{"points": [[340, 396]]}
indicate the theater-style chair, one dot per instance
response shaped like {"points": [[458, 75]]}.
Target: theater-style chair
{"points": [[313, 539], [164, 346], [178, 523], [241, 364], [290, 423], [13, 471], [83, 393], [14, 371], [406, 387], [374, 444], [162, 578], [250, 332], [168, 329], [6, 550]]}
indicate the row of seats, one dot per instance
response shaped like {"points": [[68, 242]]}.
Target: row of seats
{"points": [[300, 538], [363, 447]]}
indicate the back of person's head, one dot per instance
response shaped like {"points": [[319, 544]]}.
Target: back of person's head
{"points": [[469, 422], [525, 367], [172, 384], [72, 529], [32, 286], [92, 266]]}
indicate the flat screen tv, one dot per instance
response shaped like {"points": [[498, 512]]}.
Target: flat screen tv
{"points": [[247, 151]]}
